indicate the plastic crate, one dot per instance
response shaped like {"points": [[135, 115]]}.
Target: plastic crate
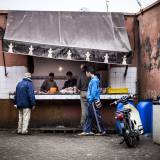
{"points": [[117, 90]]}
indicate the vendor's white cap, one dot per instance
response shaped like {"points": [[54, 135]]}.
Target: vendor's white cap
{"points": [[27, 75]]}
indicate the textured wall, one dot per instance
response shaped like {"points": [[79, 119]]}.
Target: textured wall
{"points": [[149, 67], [130, 27]]}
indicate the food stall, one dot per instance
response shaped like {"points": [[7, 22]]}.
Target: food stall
{"points": [[61, 41]]}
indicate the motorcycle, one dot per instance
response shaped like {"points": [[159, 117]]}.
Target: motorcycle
{"points": [[128, 120]]}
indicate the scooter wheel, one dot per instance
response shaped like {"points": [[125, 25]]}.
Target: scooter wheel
{"points": [[130, 139]]}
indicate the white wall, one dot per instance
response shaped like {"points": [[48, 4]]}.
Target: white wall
{"points": [[8, 84], [43, 66], [117, 79]]}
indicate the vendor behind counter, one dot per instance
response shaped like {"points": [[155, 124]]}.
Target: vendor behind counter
{"points": [[49, 83], [71, 81]]}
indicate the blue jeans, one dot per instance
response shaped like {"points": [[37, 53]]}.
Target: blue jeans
{"points": [[87, 127]]}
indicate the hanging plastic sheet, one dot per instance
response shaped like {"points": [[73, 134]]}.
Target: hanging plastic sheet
{"points": [[79, 36]]}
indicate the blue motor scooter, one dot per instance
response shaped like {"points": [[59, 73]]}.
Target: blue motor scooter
{"points": [[128, 121]]}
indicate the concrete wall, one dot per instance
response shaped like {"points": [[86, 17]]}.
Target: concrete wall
{"points": [[149, 53]]}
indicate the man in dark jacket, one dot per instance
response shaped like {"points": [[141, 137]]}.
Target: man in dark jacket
{"points": [[49, 83], [71, 81], [24, 102], [82, 86]]}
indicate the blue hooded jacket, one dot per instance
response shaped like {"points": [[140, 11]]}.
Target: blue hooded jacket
{"points": [[24, 97], [93, 92]]}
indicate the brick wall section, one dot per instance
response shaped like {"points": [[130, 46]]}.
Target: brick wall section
{"points": [[149, 67]]}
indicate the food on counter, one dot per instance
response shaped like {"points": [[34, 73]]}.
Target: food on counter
{"points": [[69, 90], [52, 90]]}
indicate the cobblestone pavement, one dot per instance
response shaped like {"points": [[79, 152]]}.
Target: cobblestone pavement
{"points": [[72, 147]]}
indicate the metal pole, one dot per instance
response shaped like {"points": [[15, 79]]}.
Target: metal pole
{"points": [[140, 5], [107, 5]]}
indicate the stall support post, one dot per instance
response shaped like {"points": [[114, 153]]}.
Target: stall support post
{"points": [[4, 62], [126, 70]]}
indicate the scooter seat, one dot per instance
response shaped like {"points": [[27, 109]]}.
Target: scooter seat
{"points": [[127, 110]]}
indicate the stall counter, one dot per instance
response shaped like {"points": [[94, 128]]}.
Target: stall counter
{"points": [[70, 96]]}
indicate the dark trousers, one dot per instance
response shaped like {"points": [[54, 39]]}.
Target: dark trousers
{"points": [[87, 127]]}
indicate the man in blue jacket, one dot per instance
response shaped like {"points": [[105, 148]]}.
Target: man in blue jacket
{"points": [[24, 102], [93, 95]]}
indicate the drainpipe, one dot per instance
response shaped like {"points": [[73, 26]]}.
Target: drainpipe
{"points": [[4, 61], [138, 53], [125, 72]]}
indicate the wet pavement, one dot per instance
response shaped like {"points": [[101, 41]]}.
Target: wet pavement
{"points": [[72, 147]]}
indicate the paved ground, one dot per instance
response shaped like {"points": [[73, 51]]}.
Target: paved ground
{"points": [[71, 147]]}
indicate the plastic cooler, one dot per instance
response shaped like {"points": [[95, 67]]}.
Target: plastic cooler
{"points": [[146, 110]]}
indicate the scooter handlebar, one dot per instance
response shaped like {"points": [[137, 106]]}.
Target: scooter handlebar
{"points": [[121, 99], [115, 102]]}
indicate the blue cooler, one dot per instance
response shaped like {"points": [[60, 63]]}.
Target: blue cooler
{"points": [[145, 110]]}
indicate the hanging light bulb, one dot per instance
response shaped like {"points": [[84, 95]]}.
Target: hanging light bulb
{"points": [[60, 69]]}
